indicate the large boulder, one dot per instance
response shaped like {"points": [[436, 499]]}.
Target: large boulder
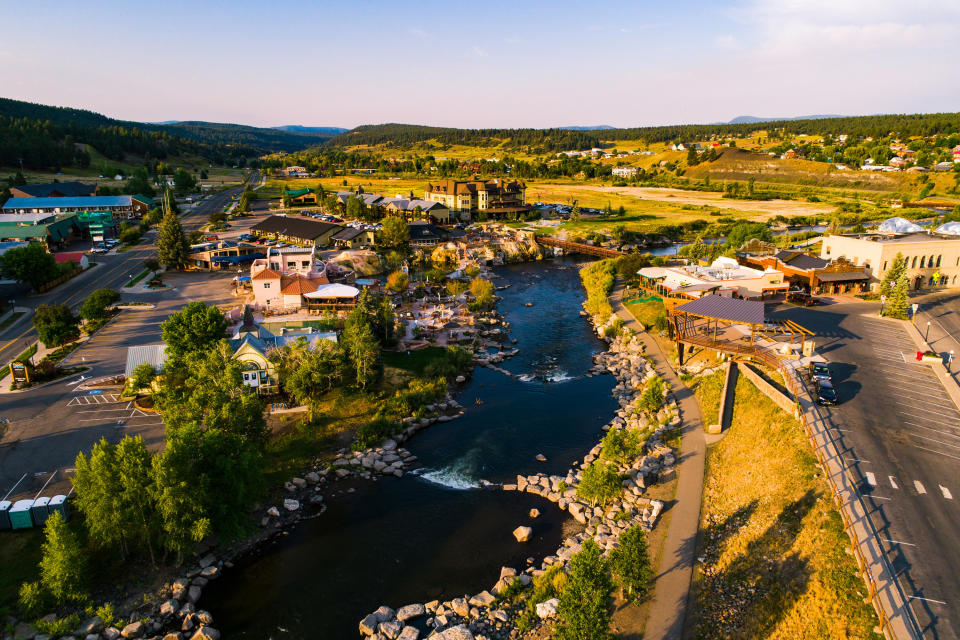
{"points": [[93, 625], [368, 626], [169, 608], [206, 633], [482, 599], [133, 630], [547, 609], [410, 611], [523, 534], [460, 607], [458, 632], [409, 633], [390, 629], [291, 505], [24, 631]]}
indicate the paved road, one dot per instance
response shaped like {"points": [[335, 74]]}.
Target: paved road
{"points": [[112, 271], [901, 434], [49, 425]]}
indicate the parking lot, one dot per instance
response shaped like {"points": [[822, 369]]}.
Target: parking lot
{"points": [[901, 436]]}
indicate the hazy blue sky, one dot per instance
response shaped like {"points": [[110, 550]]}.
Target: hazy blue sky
{"points": [[482, 64]]}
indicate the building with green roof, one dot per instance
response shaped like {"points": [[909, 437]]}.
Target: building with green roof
{"points": [[55, 230]]}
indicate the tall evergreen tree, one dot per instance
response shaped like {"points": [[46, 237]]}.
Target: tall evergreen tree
{"points": [[584, 605], [171, 242], [63, 567], [892, 275], [898, 304]]}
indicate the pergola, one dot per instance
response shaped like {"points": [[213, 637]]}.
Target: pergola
{"points": [[698, 323]]}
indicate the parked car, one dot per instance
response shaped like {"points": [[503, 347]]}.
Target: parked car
{"points": [[802, 298], [826, 393], [820, 371], [211, 237]]}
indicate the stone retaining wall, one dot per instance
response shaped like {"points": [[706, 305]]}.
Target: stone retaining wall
{"points": [[779, 398]]}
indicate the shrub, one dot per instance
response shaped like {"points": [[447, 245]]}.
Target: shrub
{"points": [[95, 305], [34, 600], [130, 236], [621, 445], [599, 483], [548, 585], [652, 398], [374, 432]]}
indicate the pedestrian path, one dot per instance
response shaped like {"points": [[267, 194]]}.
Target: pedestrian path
{"points": [[668, 611]]}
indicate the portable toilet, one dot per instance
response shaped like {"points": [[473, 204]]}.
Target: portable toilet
{"points": [[20, 515], [59, 503], [40, 510], [4, 514]]}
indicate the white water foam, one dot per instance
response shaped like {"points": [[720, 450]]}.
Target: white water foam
{"points": [[526, 377], [558, 376], [452, 477]]}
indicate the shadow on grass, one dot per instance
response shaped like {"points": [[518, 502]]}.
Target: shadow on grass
{"points": [[751, 594]]}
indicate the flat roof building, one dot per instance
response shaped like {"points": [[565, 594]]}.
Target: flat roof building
{"points": [[724, 277], [933, 259]]}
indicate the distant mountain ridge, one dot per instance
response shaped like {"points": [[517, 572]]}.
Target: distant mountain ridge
{"points": [[598, 127], [299, 128]]}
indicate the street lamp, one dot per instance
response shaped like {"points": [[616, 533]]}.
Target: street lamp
{"points": [[949, 359]]}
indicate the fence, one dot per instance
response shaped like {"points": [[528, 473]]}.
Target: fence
{"points": [[794, 384]]}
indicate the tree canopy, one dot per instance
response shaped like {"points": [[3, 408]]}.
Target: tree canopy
{"points": [[196, 327], [31, 264]]}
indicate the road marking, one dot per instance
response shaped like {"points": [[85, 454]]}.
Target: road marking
{"points": [[926, 599], [946, 492], [855, 460], [871, 479], [939, 453], [909, 544], [945, 424], [919, 487], [952, 446], [893, 482], [937, 413]]}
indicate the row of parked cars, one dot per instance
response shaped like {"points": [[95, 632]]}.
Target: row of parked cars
{"points": [[105, 246], [823, 383]]}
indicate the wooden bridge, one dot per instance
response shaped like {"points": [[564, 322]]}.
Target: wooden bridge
{"points": [[578, 247]]}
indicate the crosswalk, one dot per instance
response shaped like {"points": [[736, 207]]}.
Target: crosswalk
{"points": [[871, 479]]}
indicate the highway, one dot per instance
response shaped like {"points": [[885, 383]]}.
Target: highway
{"points": [[111, 272]]}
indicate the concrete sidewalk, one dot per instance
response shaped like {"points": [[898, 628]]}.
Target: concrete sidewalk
{"points": [[668, 611]]}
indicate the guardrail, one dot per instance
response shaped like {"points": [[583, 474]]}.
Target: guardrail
{"points": [[795, 384]]}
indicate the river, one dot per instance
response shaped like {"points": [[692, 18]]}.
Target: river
{"points": [[438, 534]]}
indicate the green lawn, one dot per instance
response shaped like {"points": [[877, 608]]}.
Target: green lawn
{"points": [[648, 312], [29, 353], [140, 277], [19, 555], [707, 390], [414, 362]]}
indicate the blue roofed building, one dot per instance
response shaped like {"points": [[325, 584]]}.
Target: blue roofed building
{"points": [[119, 206]]}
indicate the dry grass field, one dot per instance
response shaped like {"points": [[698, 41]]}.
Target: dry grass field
{"points": [[772, 559]]}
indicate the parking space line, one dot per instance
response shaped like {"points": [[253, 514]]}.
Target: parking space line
{"points": [[926, 599], [946, 492], [952, 446], [945, 424], [919, 487], [871, 479], [893, 482], [909, 544], [937, 401], [938, 413], [939, 453]]}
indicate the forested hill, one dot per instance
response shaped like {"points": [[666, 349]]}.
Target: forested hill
{"points": [[406, 135], [402, 135], [47, 138]]}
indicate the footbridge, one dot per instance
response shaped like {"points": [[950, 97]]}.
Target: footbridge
{"points": [[579, 247]]}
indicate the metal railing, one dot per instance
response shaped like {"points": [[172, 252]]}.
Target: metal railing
{"points": [[794, 384]]}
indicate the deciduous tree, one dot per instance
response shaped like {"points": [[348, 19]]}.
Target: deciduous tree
{"points": [[63, 567], [196, 327], [31, 264], [630, 563], [55, 324]]}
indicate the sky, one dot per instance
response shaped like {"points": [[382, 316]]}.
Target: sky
{"points": [[482, 64]]}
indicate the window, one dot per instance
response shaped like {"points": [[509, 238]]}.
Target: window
{"points": [[922, 260], [939, 260], [930, 262], [266, 285], [884, 265], [913, 265]]}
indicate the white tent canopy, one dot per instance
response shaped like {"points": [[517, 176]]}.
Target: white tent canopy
{"points": [[950, 229], [333, 291], [899, 225]]}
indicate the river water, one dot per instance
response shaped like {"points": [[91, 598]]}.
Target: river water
{"points": [[438, 534]]}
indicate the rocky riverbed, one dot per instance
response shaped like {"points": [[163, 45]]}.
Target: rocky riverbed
{"points": [[481, 616]]}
